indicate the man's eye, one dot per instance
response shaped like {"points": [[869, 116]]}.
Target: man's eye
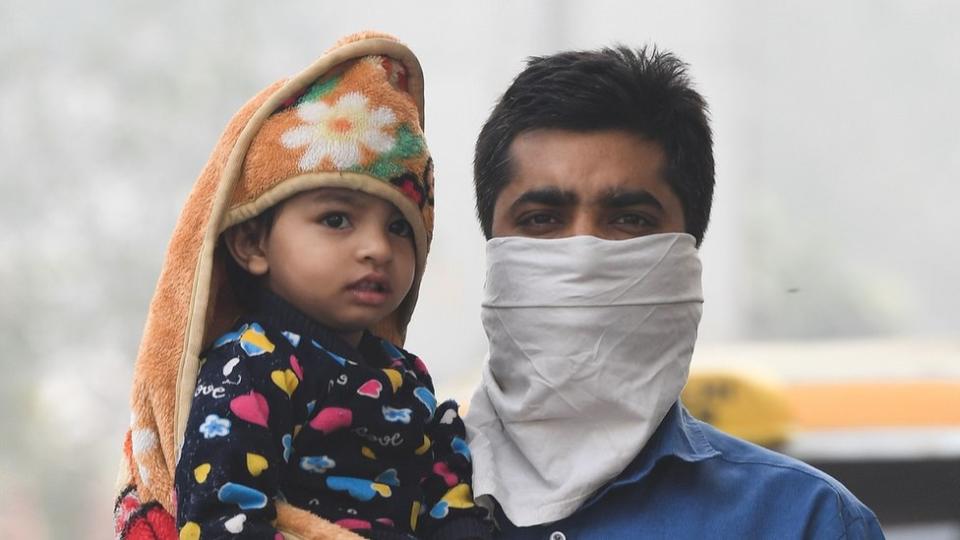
{"points": [[335, 221], [401, 227], [539, 219], [633, 219]]}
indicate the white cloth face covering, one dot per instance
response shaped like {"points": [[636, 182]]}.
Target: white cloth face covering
{"points": [[589, 346]]}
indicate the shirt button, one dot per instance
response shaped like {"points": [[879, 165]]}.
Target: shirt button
{"points": [[557, 535]]}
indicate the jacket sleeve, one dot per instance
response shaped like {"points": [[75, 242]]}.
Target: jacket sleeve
{"points": [[237, 438], [450, 511]]}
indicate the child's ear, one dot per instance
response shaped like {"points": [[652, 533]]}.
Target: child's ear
{"points": [[247, 244]]}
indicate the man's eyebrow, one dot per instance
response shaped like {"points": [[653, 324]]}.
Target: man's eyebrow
{"points": [[623, 199], [547, 197]]}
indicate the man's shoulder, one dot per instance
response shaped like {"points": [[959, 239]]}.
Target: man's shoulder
{"points": [[755, 473], [736, 452], [738, 488], [698, 444]]}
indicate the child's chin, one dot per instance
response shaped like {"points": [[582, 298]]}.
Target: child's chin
{"points": [[364, 317]]}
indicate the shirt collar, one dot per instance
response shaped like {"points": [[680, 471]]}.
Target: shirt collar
{"points": [[679, 435]]}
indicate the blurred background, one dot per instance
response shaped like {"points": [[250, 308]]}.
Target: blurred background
{"points": [[830, 266]]}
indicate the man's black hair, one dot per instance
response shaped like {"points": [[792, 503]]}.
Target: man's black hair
{"points": [[645, 92]]}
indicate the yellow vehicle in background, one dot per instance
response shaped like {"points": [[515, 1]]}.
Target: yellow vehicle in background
{"points": [[883, 417]]}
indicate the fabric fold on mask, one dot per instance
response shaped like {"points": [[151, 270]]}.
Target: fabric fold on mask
{"points": [[589, 345]]}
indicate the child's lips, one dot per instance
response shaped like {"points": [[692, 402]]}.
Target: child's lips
{"points": [[373, 289]]}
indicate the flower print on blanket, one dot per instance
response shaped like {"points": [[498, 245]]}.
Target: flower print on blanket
{"points": [[340, 132]]}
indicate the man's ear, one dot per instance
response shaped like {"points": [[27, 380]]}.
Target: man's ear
{"points": [[247, 243]]}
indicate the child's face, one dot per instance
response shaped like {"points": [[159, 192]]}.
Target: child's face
{"points": [[343, 257]]}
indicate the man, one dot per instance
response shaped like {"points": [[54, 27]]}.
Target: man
{"points": [[594, 179]]}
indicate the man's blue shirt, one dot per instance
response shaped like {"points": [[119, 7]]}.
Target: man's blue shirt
{"points": [[692, 481]]}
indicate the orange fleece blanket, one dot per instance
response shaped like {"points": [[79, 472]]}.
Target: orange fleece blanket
{"points": [[265, 155]]}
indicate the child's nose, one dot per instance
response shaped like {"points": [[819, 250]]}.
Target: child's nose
{"points": [[375, 246]]}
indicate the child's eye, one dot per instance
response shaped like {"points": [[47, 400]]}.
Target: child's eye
{"points": [[401, 227], [335, 221]]}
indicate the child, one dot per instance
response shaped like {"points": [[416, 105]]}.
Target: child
{"points": [[265, 404]]}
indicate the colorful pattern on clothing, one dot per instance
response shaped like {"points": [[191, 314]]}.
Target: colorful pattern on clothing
{"points": [[135, 520], [358, 120], [354, 435]]}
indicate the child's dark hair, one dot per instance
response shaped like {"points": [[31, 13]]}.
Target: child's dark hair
{"points": [[246, 286], [646, 92]]}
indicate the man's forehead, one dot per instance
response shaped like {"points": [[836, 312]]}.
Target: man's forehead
{"points": [[566, 158]]}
